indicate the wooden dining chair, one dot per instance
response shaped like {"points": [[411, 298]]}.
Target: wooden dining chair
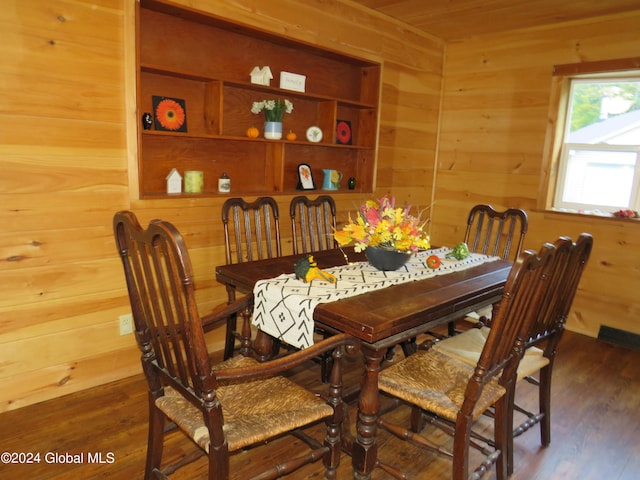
{"points": [[454, 394], [541, 341], [251, 232], [224, 407], [313, 223], [494, 233], [251, 229]]}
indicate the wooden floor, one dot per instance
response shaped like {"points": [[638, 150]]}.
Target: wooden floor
{"points": [[596, 429]]}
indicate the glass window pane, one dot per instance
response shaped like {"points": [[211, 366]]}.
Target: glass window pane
{"points": [[598, 177]]}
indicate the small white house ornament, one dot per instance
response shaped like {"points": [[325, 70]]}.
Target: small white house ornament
{"points": [[261, 76], [174, 182]]}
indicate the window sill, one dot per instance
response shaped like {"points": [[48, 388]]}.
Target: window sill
{"points": [[588, 215]]}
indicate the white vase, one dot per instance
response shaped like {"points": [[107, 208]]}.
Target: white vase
{"points": [[273, 130]]}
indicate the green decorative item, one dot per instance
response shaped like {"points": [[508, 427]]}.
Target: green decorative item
{"points": [[459, 252]]}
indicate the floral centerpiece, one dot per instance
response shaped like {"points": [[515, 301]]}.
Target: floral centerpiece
{"points": [[274, 110], [381, 224]]}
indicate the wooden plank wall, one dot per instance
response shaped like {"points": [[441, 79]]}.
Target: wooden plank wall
{"points": [[494, 120], [67, 150]]}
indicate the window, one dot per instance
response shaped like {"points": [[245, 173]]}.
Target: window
{"points": [[597, 141]]}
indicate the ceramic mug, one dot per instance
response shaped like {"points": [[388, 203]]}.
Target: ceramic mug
{"points": [[332, 179]]}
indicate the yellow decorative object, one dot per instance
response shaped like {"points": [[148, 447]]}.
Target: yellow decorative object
{"points": [[253, 132], [306, 269]]}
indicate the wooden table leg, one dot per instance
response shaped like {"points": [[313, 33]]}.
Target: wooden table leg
{"points": [[365, 448], [246, 344], [263, 346]]}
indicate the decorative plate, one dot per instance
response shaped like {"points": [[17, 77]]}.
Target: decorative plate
{"points": [[343, 132], [314, 134]]}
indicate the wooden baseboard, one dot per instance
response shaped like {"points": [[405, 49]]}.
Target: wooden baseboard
{"points": [[619, 337]]}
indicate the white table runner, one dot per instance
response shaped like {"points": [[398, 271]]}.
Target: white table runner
{"points": [[283, 306]]}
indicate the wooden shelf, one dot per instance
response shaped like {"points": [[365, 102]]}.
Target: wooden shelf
{"points": [[248, 139], [270, 90], [206, 63]]}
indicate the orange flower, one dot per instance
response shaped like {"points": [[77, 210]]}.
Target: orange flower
{"points": [[170, 114]]}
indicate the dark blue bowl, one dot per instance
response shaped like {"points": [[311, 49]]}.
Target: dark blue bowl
{"points": [[386, 259]]}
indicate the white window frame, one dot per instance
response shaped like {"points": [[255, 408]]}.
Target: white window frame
{"points": [[557, 151]]}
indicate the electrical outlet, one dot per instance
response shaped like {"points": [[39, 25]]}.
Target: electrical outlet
{"points": [[126, 324]]}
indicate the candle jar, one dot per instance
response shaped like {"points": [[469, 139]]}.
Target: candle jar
{"points": [[193, 181]]}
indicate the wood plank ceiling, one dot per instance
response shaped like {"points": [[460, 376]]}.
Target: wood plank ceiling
{"points": [[455, 19]]}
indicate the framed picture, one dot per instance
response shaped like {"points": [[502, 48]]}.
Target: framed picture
{"points": [[169, 114], [343, 132], [305, 178]]}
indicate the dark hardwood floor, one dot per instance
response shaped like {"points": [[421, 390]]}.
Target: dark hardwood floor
{"points": [[595, 436]]}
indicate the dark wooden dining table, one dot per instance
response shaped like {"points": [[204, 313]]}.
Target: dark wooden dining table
{"points": [[380, 319]]}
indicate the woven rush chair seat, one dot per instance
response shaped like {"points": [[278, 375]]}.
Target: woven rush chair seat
{"points": [[252, 413], [467, 347], [436, 382]]}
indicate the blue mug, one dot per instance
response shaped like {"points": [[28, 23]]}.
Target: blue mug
{"points": [[332, 179]]}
